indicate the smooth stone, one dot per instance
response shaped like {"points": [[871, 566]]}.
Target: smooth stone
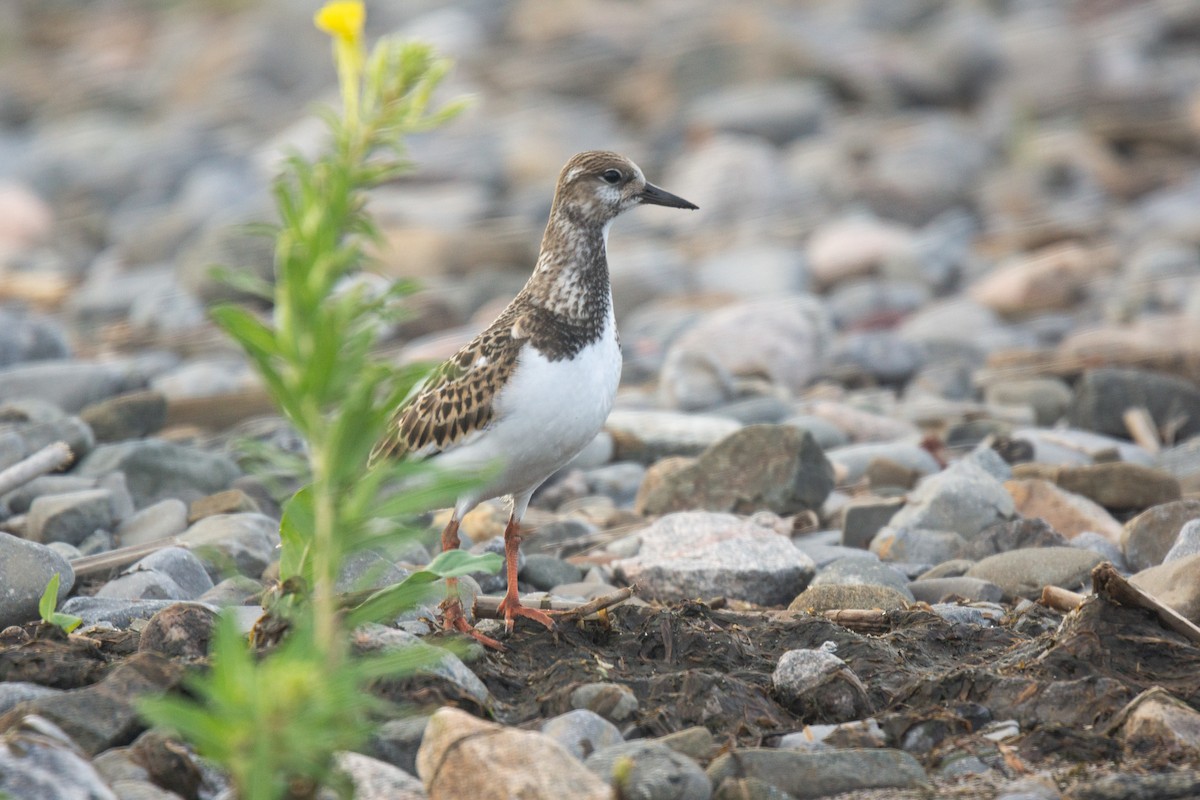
{"points": [[143, 585], [618, 481], [582, 732], [1048, 397], [440, 662], [1156, 721], [521, 763], [25, 569], [852, 461], [156, 470], [1079, 447], [916, 545], [854, 247], [184, 574], [1187, 543], [1050, 279], [30, 337], [825, 554], [544, 572], [874, 357], [1098, 543], [39, 760], [1103, 395], [1068, 513], [982, 613], [230, 501], [646, 436], [19, 500], [696, 742], [650, 770], [779, 111], [1114, 485], [614, 702], [859, 570], [748, 789], [397, 741], [13, 692], [935, 590], [753, 271], [833, 597], [158, 521], [366, 570], [70, 517], [236, 590], [1175, 584], [373, 779], [113, 611], [820, 774], [865, 517], [1023, 573], [818, 686], [782, 339], [954, 568], [966, 497], [70, 385], [1148, 537], [826, 434], [127, 416], [104, 714], [761, 410], [704, 554], [1013, 534], [773, 467], [246, 541], [181, 630], [863, 303]]}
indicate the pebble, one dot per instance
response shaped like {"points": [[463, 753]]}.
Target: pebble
{"points": [[582, 732], [832, 597], [823, 773], [916, 545], [246, 541], [772, 467], [70, 385], [1148, 537], [1012, 535], [117, 612], [1156, 721], [1115, 485], [1174, 583], [373, 779], [1068, 513], [703, 554], [154, 522], [852, 461], [1023, 573], [1187, 543], [127, 416], [397, 741], [39, 760], [861, 570], [936, 590], [520, 763], [650, 770], [1103, 395], [544, 572], [1048, 397], [965, 497], [178, 572], [439, 661], [181, 630], [156, 469], [613, 701], [25, 569], [647, 436], [818, 686]]}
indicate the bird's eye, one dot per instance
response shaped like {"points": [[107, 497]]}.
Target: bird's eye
{"points": [[612, 176]]}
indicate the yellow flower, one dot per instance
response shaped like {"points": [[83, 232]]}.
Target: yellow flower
{"points": [[342, 19]]}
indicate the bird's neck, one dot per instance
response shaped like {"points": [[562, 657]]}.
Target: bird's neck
{"points": [[571, 277]]}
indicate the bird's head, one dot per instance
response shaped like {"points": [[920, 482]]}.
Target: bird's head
{"points": [[598, 185]]}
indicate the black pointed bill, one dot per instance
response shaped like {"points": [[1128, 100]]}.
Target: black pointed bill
{"points": [[655, 196]]}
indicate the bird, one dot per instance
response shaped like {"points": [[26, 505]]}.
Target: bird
{"points": [[536, 386]]}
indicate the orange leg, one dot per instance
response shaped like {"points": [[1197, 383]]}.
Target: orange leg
{"points": [[511, 606], [453, 616]]}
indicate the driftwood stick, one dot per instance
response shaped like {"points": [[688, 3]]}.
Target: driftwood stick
{"points": [[1109, 583], [1060, 599], [488, 606], [1142, 429], [50, 458], [860, 620]]}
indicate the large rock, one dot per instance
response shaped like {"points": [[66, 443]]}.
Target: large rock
{"points": [[1104, 395], [773, 467], [71, 385], [701, 554], [650, 770], [647, 436], [70, 517], [1148, 537], [519, 763], [1068, 513], [1175, 583], [833, 597], [25, 569], [965, 498], [156, 470], [1023, 573], [820, 774], [1117, 484]]}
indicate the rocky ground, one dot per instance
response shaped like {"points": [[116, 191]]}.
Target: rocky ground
{"points": [[928, 347]]}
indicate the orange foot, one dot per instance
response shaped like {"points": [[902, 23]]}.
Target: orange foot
{"points": [[511, 608], [453, 619]]}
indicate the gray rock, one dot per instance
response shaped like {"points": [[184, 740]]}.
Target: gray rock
{"points": [[657, 772], [113, 611], [1187, 543], [825, 554], [236, 590], [1013, 534], [818, 686], [860, 303], [25, 569], [1023, 573], [1074, 446], [38, 760], [1148, 537], [981, 613], [772, 467], [760, 410], [1103, 395], [1099, 543], [935, 590], [142, 585], [368, 569], [30, 337], [177, 564], [702, 554], [156, 470], [13, 692], [378, 780], [127, 416], [164, 518], [614, 702], [1174, 583], [247, 542], [439, 662], [859, 570], [618, 481], [1048, 397], [820, 774], [874, 357], [916, 544], [71, 517], [964, 498], [852, 460], [647, 436], [826, 434], [753, 271], [954, 568], [19, 500], [582, 732], [544, 572], [813, 736], [70, 385], [397, 741], [778, 112]]}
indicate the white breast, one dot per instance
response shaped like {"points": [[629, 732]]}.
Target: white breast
{"points": [[545, 415]]}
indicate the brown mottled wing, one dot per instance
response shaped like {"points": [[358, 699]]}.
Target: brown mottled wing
{"points": [[458, 400]]}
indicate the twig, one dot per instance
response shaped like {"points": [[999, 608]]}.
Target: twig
{"points": [[1060, 599], [1109, 583], [50, 458], [860, 620], [1142, 429], [488, 606]]}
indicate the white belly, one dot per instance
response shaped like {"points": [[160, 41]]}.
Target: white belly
{"points": [[545, 415]]}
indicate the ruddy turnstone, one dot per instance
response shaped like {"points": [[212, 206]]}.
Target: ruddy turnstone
{"points": [[533, 389]]}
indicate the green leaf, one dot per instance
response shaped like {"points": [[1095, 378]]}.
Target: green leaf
{"points": [[296, 533], [389, 602], [49, 600], [456, 563]]}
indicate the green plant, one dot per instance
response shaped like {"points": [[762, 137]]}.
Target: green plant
{"points": [[48, 608], [276, 721]]}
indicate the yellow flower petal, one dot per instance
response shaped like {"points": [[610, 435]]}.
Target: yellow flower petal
{"points": [[342, 19]]}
